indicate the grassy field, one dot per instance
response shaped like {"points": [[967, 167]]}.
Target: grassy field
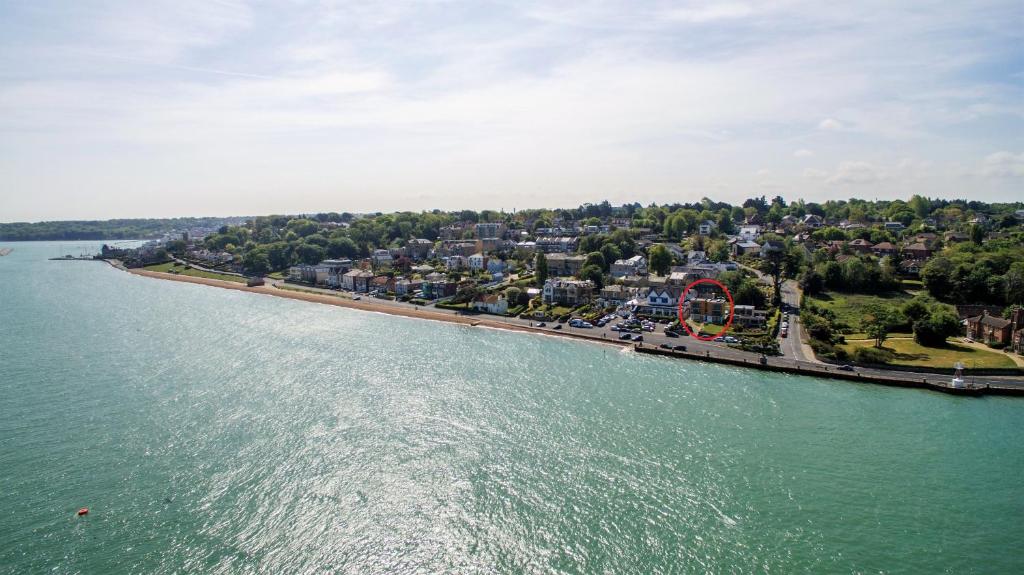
{"points": [[181, 270], [910, 353], [849, 308]]}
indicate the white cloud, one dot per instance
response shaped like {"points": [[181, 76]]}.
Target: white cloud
{"points": [[803, 153], [853, 172], [830, 124], [1003, 165]]}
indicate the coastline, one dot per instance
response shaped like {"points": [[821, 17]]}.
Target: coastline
{"points": [[370, 306], [897, 379]]}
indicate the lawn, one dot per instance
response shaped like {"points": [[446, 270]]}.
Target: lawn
{"points": [[171, 267], [910, 353], [849, 308]]}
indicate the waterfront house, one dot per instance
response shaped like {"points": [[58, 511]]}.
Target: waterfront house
{"points": [[491, 303], [658, 302], [329, 272], [989, 328], [303, 273], [706, 310], [567, 292], [357, 280], [408, 286], [634, 266], [749, 316]]}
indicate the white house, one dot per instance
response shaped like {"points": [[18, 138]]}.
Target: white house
{"points": [[456, 263], [491, 303], [634, 266], [381, 258], [749, 233], [706, 227]]}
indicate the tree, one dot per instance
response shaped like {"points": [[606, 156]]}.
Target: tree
{"points": [[977, 234], [878, 320], [513, 295], [659, 259], [811, 282], [937, 278], [933, 330], [594, 274], [595, 259], [310, 254], [541, 269], [256, 262], [611, 253], [342, 248]]}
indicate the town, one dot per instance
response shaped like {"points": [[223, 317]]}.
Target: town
{"points": [[913, 285]]}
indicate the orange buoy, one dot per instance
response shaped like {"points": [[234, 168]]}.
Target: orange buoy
{"points": [[83, 511]]}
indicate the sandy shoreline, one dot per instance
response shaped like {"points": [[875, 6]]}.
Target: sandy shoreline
{"points": [[372, 306]]}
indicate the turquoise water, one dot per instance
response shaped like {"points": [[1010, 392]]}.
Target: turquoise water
{"points": [[223, 432]]}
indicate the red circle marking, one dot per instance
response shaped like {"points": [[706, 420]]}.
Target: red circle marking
{"points": [[682, 299]]}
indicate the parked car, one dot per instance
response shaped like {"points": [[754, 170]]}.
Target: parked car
{"points": [[357, 298], [678, 348], [719, 338], [615, 328], [846, 367], [626, 336], [665, 346], [783, 333], [638, 338], [671, 334], [542, 324], [557, 326], [731, 339]]}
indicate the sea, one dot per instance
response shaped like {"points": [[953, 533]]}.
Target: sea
{"points": [[217, 431]]}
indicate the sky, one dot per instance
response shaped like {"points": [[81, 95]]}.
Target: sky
{"points": [[225, 107]]}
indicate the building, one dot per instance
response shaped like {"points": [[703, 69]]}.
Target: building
{"points": [[749, 233], [456, 263], [894, 226], [771, 247], [706, 227], [990, 328], [917, 251], [408, 286], [491, 303], [419, 248], [463, 248], [714, 310], [559, 244], [883, 249], [567, 292], [382, 258], [477, 261], [487, 231], [564, 265], [746, 248], [861, 245], [749, 316], [329, 272], [357, 280], [812, 221], [658, 302], [303, 273], [634, 266], [615, 294], [496, 266]]}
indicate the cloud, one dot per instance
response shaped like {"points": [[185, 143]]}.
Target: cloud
{"points": [[852, 172], [830, 124], [1003, 165], [803, 153]]}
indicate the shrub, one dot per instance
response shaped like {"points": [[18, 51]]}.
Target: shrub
{"points": [[871, 355]]}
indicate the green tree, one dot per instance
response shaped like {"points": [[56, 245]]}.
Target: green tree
{"points": [[342, 248], [594, 274], [595, 259], [659, 259], [541, 269], [933, 330], [310, 253], [877, 322], [977, 234], [611, 253], [256, 262]]}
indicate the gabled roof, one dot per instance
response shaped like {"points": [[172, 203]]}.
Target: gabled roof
{"points": [[991, 321], [885, 246]]}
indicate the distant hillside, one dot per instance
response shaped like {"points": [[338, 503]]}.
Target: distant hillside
{"points": [[109, 229]]}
